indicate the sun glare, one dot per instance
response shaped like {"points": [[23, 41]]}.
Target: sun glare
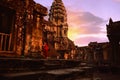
{"points": [[73, 33]]}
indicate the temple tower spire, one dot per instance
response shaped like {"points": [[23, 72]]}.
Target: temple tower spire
{"points": [[58, 16]]}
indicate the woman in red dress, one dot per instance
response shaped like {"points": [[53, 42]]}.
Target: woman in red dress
{"points": [[45, 49]]}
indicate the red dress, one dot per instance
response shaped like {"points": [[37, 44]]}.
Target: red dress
{"points": [[45, 50]]}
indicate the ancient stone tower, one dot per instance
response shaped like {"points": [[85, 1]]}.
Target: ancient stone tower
{"points": [[58, 17]]}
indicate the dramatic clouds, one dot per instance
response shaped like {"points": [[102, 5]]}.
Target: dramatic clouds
{"points": [[85, 27], [86, 22]]}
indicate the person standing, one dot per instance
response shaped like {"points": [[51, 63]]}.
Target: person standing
{"points": [[45, 49]]}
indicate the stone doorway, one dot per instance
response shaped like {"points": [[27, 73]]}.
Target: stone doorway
{"points": [[7, 20]]}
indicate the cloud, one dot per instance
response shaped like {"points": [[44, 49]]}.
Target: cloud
{"points": [[85, 27], [90, 18], [117, 0], [86, 22]]}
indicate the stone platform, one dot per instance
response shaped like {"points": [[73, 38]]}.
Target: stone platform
{"points": [[57, 74], [28, 64], [34, 69]]}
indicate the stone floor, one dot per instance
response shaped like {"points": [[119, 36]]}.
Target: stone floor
{"points": [[106, 76], [100, 76], [49, 67]]}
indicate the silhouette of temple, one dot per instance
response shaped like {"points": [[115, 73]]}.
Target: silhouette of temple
{"points": [[23, 28], [113, 34]]}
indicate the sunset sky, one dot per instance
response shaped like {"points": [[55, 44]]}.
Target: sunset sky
{"points": [[87, 19]]}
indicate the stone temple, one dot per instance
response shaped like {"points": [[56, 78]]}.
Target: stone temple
{"points": [[113, 34], [58, 17], [23, 29]]}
